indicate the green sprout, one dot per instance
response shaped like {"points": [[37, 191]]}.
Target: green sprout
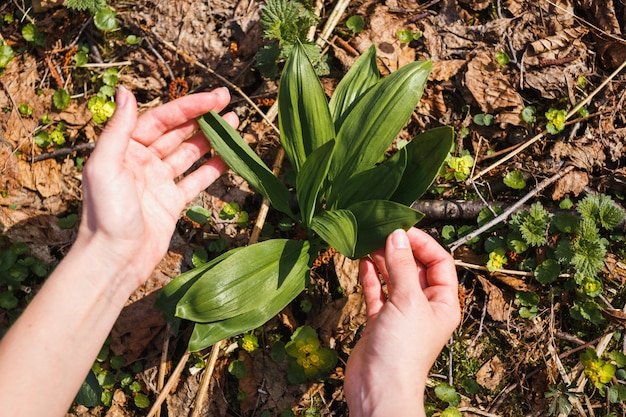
{"points": [[355, 24], [25, 109], [307, 358], [515, 179], [458, 167], [249, 342], [599, 371], [6, 55], [529, 114], [556, 120], [407, 35], [502, 58], [101, 109], [497, 259]]}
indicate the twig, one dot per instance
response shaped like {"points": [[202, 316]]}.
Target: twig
{"points": [[160, 58], [62, 151], [206, 378], [544, 184], [333, 20], [163, 364], [477, 411], [503, 271], [169, 385], [102, 65], [542, 134]]}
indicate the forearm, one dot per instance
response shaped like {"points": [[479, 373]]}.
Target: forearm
{"points": [[62, 331]]}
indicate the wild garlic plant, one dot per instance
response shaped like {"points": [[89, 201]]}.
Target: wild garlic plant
{"points": [[347, 198]]}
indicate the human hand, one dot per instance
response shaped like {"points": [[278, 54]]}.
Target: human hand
{"points": [[131, 196], [405, 332]]}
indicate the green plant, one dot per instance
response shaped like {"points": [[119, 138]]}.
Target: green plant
{"points": [[105, 19], [529, 114], [6, 55], [562, 396], [458, 168], [502, 58], [25, 109], [483, 119], [101, 109], [307, 358], [355, 24], [287, 23], [407, 35], [346, 198], [556, 121], [61, 99], [31, 34], [93, 6], [515, 179]]}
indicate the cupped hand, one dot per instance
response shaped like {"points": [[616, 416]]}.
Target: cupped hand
{"points": [[406, 330], [132, 190]]}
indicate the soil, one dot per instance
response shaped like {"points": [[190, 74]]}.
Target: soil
{"points": [[560, 52]]}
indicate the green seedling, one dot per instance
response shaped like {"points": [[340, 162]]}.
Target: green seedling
{"points": [[502, 58], [286, 23], [133, 39], [31, 34], [307, 358], [6, 55], [556, 121], [529, 114], [25, 109], [599, 371], [101, 109], [458, 168], [81, 57], [249, 342], [105, 19], [407, 35], [346, 198], [483, 119], [355, 24], [93, 6], [515, 180]]}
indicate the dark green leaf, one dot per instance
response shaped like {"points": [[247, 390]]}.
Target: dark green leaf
{"points": [[246, 280], [172, 293], [206, 334], [426, 154], [377, 183], [376, 119], [355, 24], [198, 214], [548, 271], [357, 81], [61, 99], [376, 219], [238, 155], [90, 392], [303, 115], [311, 178], [338, 228], [105, 19]]}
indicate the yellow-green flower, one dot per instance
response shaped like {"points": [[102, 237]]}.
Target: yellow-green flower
{"points": [[249, 343]]}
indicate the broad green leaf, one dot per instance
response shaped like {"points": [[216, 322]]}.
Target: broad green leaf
{"points": [[171, 294], [245, 280], [237, 154], [376, 119], [304, 119], [311, 178], [426, 154], [357, 81], [376, 219], [377, 183], [206, 334], [338, 228], [90, 392]]}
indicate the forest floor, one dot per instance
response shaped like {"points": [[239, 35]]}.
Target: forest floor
{"points": [[510, 356]]}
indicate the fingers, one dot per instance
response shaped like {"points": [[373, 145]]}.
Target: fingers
{"points": [[116, 135], [372, 289], [201, 178], [401, 266], [177, 118]]}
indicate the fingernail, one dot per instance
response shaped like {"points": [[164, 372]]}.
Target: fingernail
{"points": [[399, 239], [121, 97]]}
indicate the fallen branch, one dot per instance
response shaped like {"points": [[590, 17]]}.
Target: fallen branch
{"points": [[544, 184]]}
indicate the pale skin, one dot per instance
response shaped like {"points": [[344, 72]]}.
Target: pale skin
{"points": [[133, 196]]}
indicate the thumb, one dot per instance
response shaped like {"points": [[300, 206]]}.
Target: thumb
{"points": [[401, 266], [116, 135]]}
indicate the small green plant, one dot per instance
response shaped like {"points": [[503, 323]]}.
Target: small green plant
{"points": [[529, 302], [61, 99], [562, 396], [407, 35], [6, 55], [347, 198], [529, 114], [286, 23], [93, 6], [105, 19], [555, 121], [483, 119], [502, 58], [515, 180], [307, 358], [458, 168], [355, 24], [101, 109], [31, 34], [25, 109]]}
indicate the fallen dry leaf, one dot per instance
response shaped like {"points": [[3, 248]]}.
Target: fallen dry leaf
{"points": [[491, 373]]}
